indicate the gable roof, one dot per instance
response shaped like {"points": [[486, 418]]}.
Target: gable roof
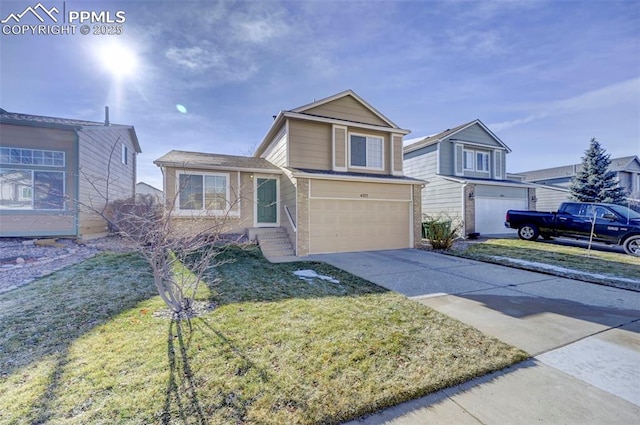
{"points": [[301, 112], [62, 123], [210, 161], [617, 164], [346, 93], [418, 143]]}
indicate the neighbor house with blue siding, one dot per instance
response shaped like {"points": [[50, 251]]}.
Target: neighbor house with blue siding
{"points": [[466, 170]]}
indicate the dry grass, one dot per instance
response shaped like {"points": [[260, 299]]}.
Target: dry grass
{"points": [[82, 346], [575, 258]]}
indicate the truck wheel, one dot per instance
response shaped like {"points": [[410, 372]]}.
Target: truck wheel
{"points": [[528, 232], [632, 245]]}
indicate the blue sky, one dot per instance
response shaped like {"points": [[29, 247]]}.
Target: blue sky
{"points": [[546, 77]]}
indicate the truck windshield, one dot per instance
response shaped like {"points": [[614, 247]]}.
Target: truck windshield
{"points": [[625, 212]]}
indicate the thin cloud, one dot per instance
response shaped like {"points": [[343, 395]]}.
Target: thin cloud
{"points": [[623, 92]]}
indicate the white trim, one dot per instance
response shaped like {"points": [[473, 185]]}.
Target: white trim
{"points": [[204, 212], [195, 167], [255, 203], [288, 145], [464, 159], [498, 166], [438, 158], [477, 145], [333, 153], [411, 219], [489, 182], [301, 174], [367, 137]]}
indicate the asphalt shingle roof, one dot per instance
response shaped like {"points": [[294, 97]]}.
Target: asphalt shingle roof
{"points": [[210, 160]]}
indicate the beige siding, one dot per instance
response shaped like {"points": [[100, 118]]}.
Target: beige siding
{"points": [[397, 154], [35, 223], [277, 153], [349, 109], [310, 145], [103, 177], [337, 189], [340, 148]]}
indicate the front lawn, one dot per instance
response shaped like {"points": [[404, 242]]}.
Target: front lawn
{"points": [[579, 259], [83, 346]]}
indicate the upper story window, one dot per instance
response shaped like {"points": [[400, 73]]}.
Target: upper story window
{"points": [[125, 154], [203, 192], [475, 161], [366, 151], [19, 156]]}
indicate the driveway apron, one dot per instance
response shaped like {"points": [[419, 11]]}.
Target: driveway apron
{"points": [[584, 339]]}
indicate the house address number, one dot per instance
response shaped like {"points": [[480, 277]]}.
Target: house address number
{"points": [[364, 195]]}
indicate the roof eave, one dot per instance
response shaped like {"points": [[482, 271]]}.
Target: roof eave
{"points": [[200, 166]]}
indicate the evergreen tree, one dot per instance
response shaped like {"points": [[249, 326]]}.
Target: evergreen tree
{"points": [[594, 182]]}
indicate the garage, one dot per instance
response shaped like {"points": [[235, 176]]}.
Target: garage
{"points": [[359, 216], [491, 205]]}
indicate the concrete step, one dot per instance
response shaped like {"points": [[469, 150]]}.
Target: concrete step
{"points": [[274, 242]]}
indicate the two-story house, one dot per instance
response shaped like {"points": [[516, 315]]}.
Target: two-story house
{"points": [[466, 170], [329, 172], [554, 182], [55, 173]]}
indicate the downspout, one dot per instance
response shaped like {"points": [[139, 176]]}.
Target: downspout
{"points": [[76, 214], [464, 210]]}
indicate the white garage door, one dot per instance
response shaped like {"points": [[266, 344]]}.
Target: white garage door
{"points": [[354, 216], [490, 214]]}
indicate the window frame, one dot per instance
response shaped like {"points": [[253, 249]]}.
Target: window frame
{"points": [[7, 152], [368, 138], [487, 157], [464, 159], [203, 210], [32, 187], [475, 153], [125, 154]]}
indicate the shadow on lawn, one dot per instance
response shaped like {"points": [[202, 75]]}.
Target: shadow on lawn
{"points": [[47, 316], [182, 403]]}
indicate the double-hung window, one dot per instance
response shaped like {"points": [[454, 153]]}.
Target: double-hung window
{"points": [[30, 179], [482, 162], [366, 151], [205, 192], [475, 161]]}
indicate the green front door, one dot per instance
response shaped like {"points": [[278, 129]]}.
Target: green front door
{"points": [[267, 200]]}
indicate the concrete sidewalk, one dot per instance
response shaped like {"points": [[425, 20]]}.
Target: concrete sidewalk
{"points": [[585, 339]]}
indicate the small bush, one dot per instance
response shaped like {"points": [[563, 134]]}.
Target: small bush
{"points": [[441, 231]]}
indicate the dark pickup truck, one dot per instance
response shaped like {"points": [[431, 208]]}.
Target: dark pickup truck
{"points": [[614, 224]]}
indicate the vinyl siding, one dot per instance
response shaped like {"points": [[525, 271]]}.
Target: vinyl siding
{"points": [[277, 153], [550, 199], [476, 134], [447, 159], [442, 197], [359, 190], [347, 108], [310, 145], [103, 177], [42, 223], [288, 201]]}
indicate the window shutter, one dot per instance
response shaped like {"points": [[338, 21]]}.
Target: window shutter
{"points": [[339, 148], [457, 159], [499, 165]]}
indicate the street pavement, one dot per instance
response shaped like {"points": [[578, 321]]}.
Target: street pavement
{"points": [[584, 340]]}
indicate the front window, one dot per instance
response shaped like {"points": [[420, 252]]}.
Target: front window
{"points": [[18, 156], [203, 192], [366, 151], [468, 161], [31, 189]]}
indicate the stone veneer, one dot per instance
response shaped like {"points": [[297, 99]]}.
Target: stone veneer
{"points": [[469, 209], [417, 215], [302, 200]]}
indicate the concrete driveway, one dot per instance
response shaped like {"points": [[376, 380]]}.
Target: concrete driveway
{"points": [[584, 339]]}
